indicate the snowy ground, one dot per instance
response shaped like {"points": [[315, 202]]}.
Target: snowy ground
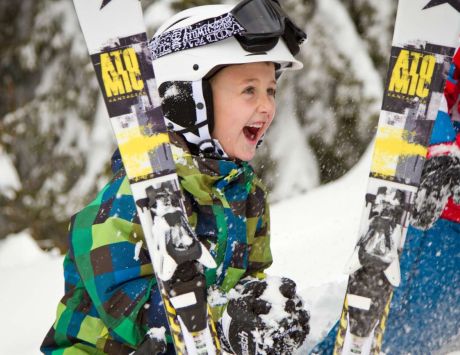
{"points": [[31, 285]]}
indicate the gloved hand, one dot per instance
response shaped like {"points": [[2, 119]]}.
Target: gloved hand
{"points": [[265, 316], [440, 180], [154, 343]]}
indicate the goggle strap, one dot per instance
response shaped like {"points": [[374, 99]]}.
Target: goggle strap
{"points": [[199, 34]]}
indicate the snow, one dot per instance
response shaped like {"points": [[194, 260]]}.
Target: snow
{"points": [[137, 250], [32, 284], [276, 300], [157, 333]]}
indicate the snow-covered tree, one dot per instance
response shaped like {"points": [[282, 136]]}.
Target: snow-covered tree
{"points": [[47, 117]]}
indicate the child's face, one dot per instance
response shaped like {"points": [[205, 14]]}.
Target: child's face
{"points": [[244, 106]]}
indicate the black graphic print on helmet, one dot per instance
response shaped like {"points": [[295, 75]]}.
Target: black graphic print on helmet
{"points": [[188, 110], [178, 105]]}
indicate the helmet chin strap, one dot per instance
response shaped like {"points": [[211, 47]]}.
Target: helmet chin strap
{"points": [[261, 141]]}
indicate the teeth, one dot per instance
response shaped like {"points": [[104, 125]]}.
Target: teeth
{"points": [[256, 125]]}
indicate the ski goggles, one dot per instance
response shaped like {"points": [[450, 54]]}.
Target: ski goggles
{"points": [[264, 22], [256, 24]]}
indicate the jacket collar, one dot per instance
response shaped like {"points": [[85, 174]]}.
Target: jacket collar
{"points": [[220, 171]]}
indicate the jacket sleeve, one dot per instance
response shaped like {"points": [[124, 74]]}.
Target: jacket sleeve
{"points": [[260, 256], [112, 259]]}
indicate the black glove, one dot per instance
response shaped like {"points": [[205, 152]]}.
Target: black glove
{"points": [[265, 317], [152, 344], [440, 180]]}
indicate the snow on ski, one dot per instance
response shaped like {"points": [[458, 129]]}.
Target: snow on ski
{"points": [[425, 37], [116, 38]]}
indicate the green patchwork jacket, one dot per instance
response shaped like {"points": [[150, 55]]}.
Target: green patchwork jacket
{"points": [[111, 298]]}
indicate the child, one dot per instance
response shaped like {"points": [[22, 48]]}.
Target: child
{"points": [[217, 83]]}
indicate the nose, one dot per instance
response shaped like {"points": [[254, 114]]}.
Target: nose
{"points": [[267, 105]]}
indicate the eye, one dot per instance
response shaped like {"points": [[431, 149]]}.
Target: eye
{"points": [[271, 92], [249, 90]]}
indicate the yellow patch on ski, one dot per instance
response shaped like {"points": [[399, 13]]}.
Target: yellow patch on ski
{"points": [[174, 326], [391, 144], [382, 326], [213, 330], [343, 325], [134, 148]]}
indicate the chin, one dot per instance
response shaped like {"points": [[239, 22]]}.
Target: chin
{"points": [[245, 156]]}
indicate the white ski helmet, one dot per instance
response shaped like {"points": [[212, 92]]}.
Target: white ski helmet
{"points": [[192, 45]]}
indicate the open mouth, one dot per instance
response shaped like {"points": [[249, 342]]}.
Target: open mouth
{"points": [[251, 132]]}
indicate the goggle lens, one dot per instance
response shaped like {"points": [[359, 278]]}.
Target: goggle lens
{"points": [[259, 18], [264, 22]]}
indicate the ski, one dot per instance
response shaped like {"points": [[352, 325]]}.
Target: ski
{"points": [[116, 38], [425, 38]]}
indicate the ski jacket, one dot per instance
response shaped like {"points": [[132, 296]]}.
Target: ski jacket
{"points": [[111, 298]]}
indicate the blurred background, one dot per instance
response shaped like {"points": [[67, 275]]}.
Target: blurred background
{"points": [[55, 137]]}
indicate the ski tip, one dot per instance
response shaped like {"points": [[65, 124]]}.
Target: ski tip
{"points": [[104, 3]]}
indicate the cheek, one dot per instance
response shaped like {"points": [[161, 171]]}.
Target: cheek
{"points": [[223, 120], [220, 113], [233, 115], [272, 117]]}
